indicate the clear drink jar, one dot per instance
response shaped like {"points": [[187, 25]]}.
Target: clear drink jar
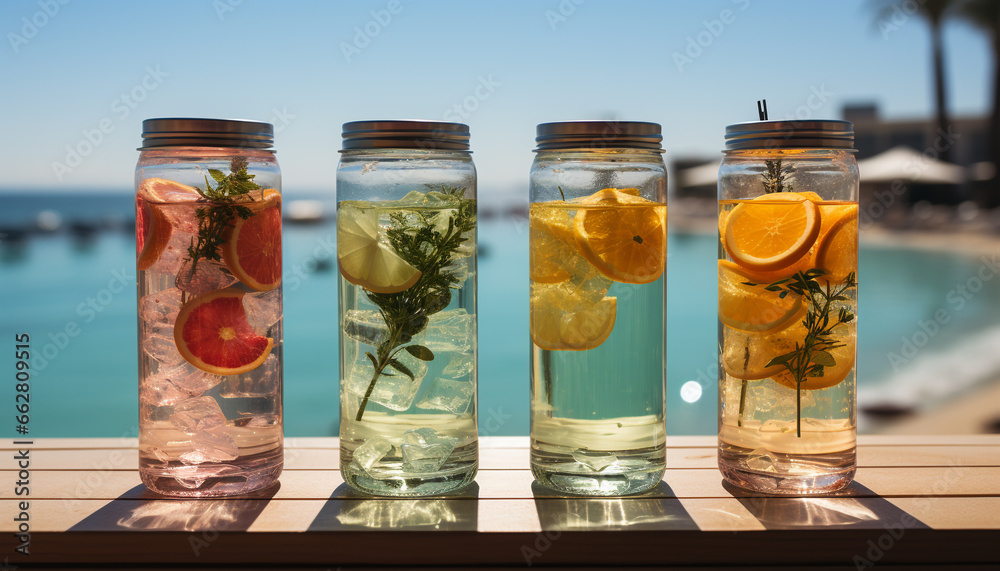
{"points": [[598, 243], [406, 251], [788, 261], [208, 263]]}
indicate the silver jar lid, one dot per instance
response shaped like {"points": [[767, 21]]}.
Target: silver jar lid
{"points": [[790, 135], [598, 135], [194, 132], [428, 135]]}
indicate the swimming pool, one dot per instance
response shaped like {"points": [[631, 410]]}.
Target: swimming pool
{"points": [[85, 385]]}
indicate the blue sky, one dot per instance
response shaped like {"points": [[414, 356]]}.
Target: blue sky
{"points": [[537, 61]]}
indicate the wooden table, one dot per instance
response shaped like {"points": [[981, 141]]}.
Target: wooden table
{"points": [[927, 500]]}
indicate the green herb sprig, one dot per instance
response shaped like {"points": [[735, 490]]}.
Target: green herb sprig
{"points": [[776, 179], [812, 355], [231, 190], [430, 249]]}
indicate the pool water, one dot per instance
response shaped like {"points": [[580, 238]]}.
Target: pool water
{"points": [[77, 301]]}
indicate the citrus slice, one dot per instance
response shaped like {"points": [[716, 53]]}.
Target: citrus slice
{"points": [[623, 236], [555, 329], [843, 356], [746, 355], [752, 307], [164, 190], [152, 234], [552, 242], [252, 250], [837, 252], [363, 259], [212, 333], [772, 231]]}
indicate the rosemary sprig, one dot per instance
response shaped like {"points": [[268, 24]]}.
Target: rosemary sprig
{"points": [[430, 249], [776, 179], [231, 190], [812, 355]]}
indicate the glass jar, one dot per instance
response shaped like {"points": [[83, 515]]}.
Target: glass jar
{"points": [[208, 262], [406, 250], [788, 261], [598, 244]]}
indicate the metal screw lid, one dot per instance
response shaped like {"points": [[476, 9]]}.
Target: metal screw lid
{"points": [[598, 135], [194, 132], [427, 135], [825, 134]]}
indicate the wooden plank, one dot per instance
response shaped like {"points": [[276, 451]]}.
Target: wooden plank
{"points": [[870, 456]]}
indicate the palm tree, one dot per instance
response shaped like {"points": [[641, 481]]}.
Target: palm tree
{"points": [[985, 14], [933, 12]]}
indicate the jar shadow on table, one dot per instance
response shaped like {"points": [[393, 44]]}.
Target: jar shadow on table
{"points": [[853, 506], [657, 509], [140, 509], [348, 509]]}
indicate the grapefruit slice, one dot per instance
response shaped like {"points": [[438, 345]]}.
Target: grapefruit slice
{"points": [[252, 250], [152, 234], [772, 231], [366, 261], [212, 333]]}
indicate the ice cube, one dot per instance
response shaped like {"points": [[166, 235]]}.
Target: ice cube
{"points": [[468, 246], [593, 459], [198, 415], [263, 309], [162, 348], [211, 446], [371, 452], [449, 395], [424, 450], [159, 391], [412, 198], [263, 421], [158, 311], [761, 460], [188, 378], [450, 330], [393, 389], [365, 326], [183, 217], [459, 366], [459, 268], [260, 382], [207, 276]]}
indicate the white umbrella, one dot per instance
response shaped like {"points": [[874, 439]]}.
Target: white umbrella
{"points": [[904, 163], [702, 175]]}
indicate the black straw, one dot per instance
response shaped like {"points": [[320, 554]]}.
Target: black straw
{"points": [[762, 109]]}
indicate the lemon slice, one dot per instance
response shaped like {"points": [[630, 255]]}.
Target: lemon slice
{"points": [[552, 243], [562, 322], [751, 307], [772, 231], [364, 260]]}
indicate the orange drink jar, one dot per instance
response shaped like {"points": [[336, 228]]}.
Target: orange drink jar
{"points": [[208, 263], [788, 262], [598, 243]]}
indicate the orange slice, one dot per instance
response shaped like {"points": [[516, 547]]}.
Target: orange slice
{"points": [[252, 250], [556, 329], [366, 261], [212, 333], [838, 247], [152, 234], [753, 308], [843, 357], [623, 236], [552, 243], [745, 355], [772, 231]]}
